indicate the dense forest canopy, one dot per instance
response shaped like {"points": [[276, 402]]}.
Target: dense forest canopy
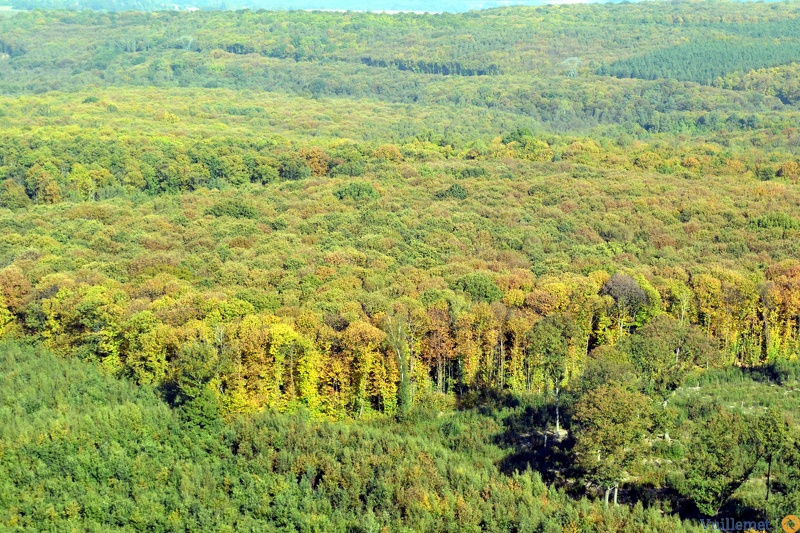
{"points": [[523, 269]]}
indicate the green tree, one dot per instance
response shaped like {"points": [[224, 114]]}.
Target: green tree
{"points": [[480, 287], [12, 195], [294, 167], [722, 455], [199, 367], [772, 432], [550, 339], [604, 365], [786, 499], [611, 421], [664, 351]]}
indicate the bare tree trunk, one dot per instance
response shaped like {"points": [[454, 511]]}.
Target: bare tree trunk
{"points": [[684, 307], [439, 373], [527, 375], [558, 413], [588, 340], [616, 492], [502, 362], [769, 477], [608, 493], [410, 368], [767, 334]]}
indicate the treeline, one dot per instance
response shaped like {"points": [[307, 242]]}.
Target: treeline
{"points": [[50, 168], [345, 302], [111, 455], [450, 6], [252, 349]]}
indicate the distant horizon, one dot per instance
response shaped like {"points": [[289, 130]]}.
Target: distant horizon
{"points": [[361, 6]]}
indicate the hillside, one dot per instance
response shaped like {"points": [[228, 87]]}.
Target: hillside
{"points": [[523, 269]]}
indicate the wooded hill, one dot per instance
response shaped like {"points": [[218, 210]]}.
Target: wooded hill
{"points": [[401, 233]]}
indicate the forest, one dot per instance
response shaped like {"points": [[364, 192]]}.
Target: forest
{"points": [[521, 269]]}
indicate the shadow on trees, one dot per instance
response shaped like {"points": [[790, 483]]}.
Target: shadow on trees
{"points": [[487, 401], [529, 432], [778, 373], [664, 496]]}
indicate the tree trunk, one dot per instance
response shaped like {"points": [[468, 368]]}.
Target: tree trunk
{"points": [[527, 369], [404, 388], [439, 373], [558, 418], [767, 334], [769, 476], [616, 491], [502, 362], [588, 340], [410, 370], [608, 493], [684, 307]]}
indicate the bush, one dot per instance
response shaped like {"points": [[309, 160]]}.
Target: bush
{"points": [[775, 220], [473, 172], [479, 287], [234, 209], [357, 191], [348, 168], [294, 168], [454, 191], [765, 172]]}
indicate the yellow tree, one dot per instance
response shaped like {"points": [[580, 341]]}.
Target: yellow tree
{"points": [[438, 346], [360, 342], [299, 361], [476, 339], [42, 186], [521, 368], [86, 321], [14, 288], [252, 346], [783, 294], [146, 342], [81, 182], [6, 318]]}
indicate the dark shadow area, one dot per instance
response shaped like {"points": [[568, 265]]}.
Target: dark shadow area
{"points": [[488, 401], [738, 509], [778, 373], [662, 497], [530, 433]]}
